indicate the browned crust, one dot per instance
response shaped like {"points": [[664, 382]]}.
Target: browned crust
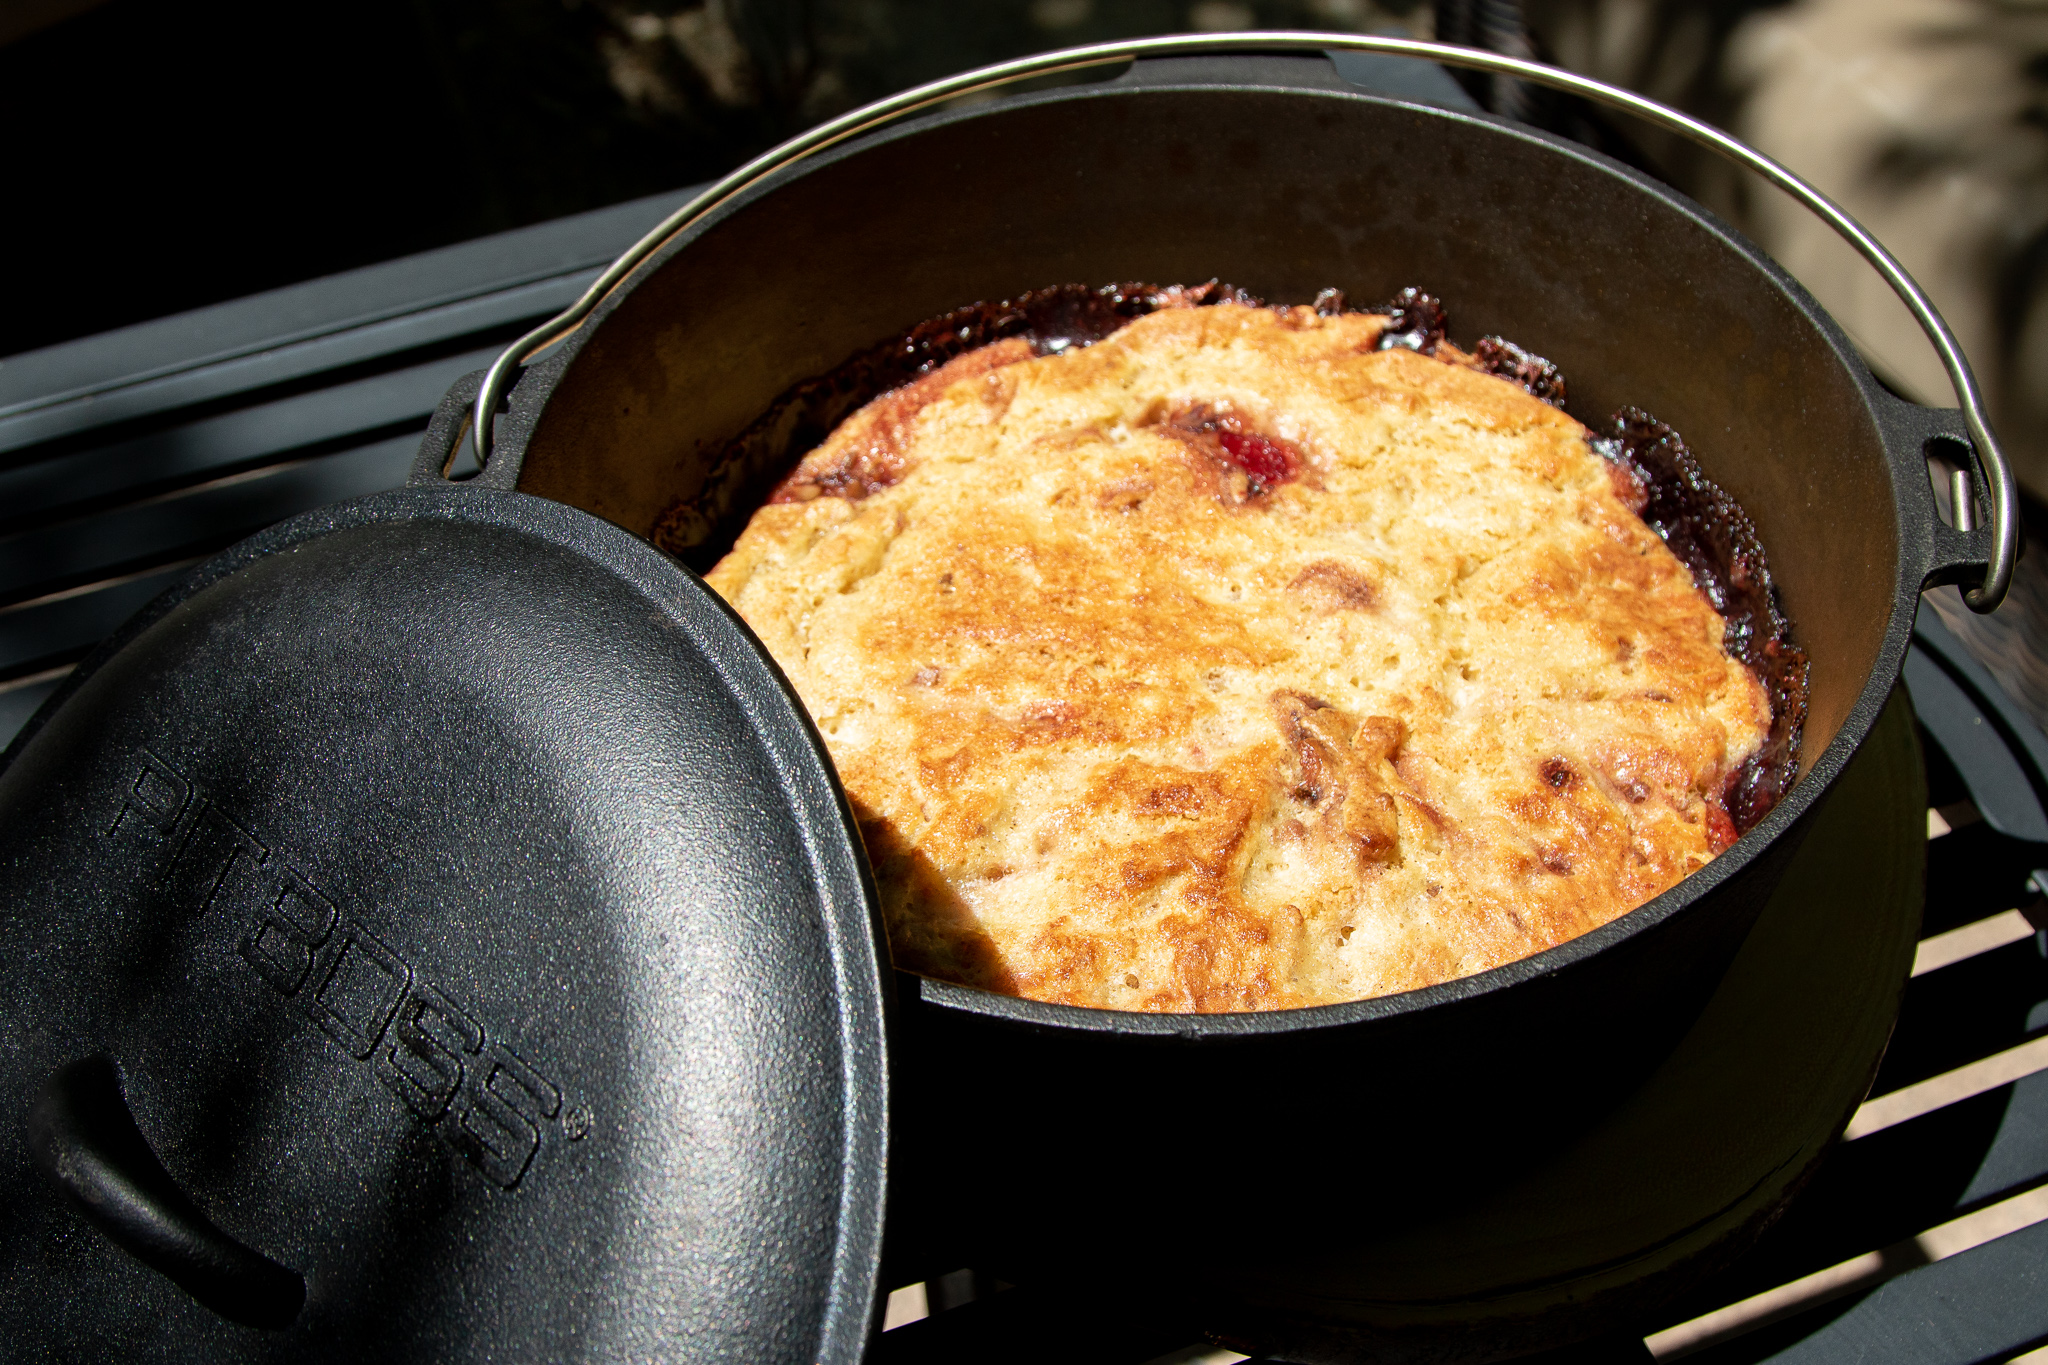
{"points": [[1124, 730]]}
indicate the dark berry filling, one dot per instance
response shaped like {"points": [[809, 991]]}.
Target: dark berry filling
{"points": [[1714, 538], [1415, 321], [1264, 461], [1499, 356]]}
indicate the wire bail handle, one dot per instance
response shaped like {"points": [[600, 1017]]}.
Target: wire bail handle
{"points": [[2004, 491]]}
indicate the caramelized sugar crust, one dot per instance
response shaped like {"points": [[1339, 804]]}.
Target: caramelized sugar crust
{"points": [[1232, 663]]}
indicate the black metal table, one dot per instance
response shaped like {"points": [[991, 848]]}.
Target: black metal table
{"points": [[126, 457]]}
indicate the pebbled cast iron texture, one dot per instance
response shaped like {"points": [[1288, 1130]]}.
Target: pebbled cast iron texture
{"points": [[1039, 1139], [475, 765]]}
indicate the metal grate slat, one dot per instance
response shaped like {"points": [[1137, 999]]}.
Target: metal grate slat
{"points": [[1986, 1304], [195, 521], [1967, 1010], [41, 635], [1980, 873], [67, 485]]}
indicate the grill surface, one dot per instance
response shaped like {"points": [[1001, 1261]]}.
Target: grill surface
{"points": [[124, 458]]}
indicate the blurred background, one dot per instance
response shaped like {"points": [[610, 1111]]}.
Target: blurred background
{"points": [[165, 155]]}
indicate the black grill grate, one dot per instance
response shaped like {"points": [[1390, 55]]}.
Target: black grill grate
{"points": [[126, 457]]}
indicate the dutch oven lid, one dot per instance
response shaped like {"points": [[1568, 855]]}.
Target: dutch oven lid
{"points": [[433, 931]]}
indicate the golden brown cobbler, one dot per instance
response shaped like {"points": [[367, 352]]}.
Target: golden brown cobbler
{"points": [[1234, 664]]}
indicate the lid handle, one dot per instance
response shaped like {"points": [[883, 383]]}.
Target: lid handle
{"points": [[83, 1137]]}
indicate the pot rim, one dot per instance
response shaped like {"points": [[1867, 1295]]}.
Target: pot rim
{"points": [[2003, 544], [1919, 558]]}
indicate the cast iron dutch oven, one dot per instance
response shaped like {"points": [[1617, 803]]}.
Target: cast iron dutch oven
{"points": [[1026, 1127], [434, 929]]}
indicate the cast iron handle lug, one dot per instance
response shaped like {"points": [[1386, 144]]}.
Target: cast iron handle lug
{"points": [[2003, 491], [443, 441], [83, 1137], [1963, 546]]}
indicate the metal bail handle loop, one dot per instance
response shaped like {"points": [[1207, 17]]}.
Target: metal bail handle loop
{"points": [[2004, 492]]}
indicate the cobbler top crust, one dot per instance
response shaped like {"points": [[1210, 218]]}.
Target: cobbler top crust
{"points": [[1234, 663]]}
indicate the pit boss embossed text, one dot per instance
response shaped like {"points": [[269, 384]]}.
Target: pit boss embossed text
{"points": [[486, 1101]]}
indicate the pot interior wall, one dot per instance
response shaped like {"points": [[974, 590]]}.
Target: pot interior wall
{"points": [[1283, 192]]}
